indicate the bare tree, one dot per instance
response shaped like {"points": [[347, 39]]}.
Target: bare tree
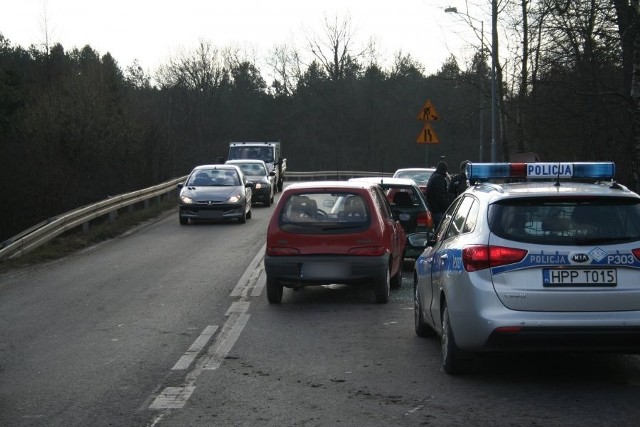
{"points": [[335, 52], [201, 69], [286, 66], [46, 30]]}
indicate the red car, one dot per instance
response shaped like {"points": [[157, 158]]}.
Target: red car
{"points": [[333, 232]]}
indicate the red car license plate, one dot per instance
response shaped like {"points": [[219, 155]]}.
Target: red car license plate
{"points": [[325, 270]]}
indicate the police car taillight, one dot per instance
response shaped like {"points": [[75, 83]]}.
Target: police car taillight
{"points": [[578, 170], [479, 257], [636, 253]]}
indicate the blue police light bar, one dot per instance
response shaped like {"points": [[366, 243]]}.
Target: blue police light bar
{"points": [[581, 170]]}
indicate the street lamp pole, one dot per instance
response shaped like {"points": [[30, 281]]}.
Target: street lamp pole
{"points": [[494, 97], [481, 68], [493, 103]]}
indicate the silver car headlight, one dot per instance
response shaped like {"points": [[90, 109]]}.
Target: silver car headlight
{"points": [[258, 185], [187, 200], [235, 198]]}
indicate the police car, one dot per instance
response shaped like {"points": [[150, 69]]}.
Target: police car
{"points": [[538, 256]]}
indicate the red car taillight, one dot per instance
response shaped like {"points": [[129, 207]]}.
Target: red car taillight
{"points": [[481, 257], [425, 220], [636, 253], [282, 251]]}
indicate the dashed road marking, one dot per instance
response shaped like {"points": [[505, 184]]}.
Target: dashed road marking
{"points": [[250, 275], [173, 398], [252, 282], [190, 355]]}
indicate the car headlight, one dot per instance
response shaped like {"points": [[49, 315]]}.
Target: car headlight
{"points": [[235, 198], [186, 200], [258, 185]]}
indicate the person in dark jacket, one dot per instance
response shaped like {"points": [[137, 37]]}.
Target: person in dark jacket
{"points": [[459, 181], [438, 197]]}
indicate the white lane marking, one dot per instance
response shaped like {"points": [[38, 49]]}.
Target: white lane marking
{"points": [[261, 281], [190, 355], [177, 397], [248, 273], [173, 398], [229, 338], [238, 307]]}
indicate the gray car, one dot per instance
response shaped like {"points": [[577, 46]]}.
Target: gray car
{"points": [[543, 264], [215, 192]]}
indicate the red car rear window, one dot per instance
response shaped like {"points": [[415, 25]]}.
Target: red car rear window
{"points": [[325, 212]]}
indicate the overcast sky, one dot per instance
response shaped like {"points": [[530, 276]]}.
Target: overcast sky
{"points": [[152, 31]]}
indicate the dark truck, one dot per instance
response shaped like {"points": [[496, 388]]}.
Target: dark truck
{"points": [[269, 152]]}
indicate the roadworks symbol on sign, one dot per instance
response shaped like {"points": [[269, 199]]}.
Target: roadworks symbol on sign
{"points": [[428, 135], [428, 112]]}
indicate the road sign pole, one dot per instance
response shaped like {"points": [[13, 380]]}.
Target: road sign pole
{"points": [[426, 152]]}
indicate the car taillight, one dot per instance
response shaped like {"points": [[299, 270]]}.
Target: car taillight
{"points": [[367, 251], [636, 253], [425, 219], [281, 251], [481, 257]]}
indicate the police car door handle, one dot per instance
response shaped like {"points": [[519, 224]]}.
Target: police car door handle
{"points": [[444, 256]]}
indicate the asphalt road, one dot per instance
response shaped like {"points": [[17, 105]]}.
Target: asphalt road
{"points": [[170, 326]]}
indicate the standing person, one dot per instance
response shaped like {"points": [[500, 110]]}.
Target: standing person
{"points": [[459, 181], [438, 197]]}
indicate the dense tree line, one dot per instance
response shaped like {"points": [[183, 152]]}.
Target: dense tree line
{"points": [[76, 128]]}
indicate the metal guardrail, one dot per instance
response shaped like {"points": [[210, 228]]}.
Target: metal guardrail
{"points": [[331, 175], [47, 230]]}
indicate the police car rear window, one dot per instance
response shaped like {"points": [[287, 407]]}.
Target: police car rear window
{"points": [[566, 221]]}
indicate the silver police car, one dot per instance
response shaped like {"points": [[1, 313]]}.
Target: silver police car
{"points": [[532, 257]]}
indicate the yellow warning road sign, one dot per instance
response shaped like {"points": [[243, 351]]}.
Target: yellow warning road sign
{"points": [[427, 135], [428, 112]]}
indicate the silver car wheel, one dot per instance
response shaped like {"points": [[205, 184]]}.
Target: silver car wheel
{"points": [[453, 362]]}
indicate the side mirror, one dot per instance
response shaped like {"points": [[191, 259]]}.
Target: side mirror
{"points": [[180, 186], [249, 185], [421, 240]]}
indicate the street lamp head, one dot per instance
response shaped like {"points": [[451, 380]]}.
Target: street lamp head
{"points": [[451, 10]]}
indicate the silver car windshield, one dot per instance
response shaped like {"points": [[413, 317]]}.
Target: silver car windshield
{"points": [[214, 177]]}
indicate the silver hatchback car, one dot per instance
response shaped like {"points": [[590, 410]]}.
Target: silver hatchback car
{"points": [[532, 257]]}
